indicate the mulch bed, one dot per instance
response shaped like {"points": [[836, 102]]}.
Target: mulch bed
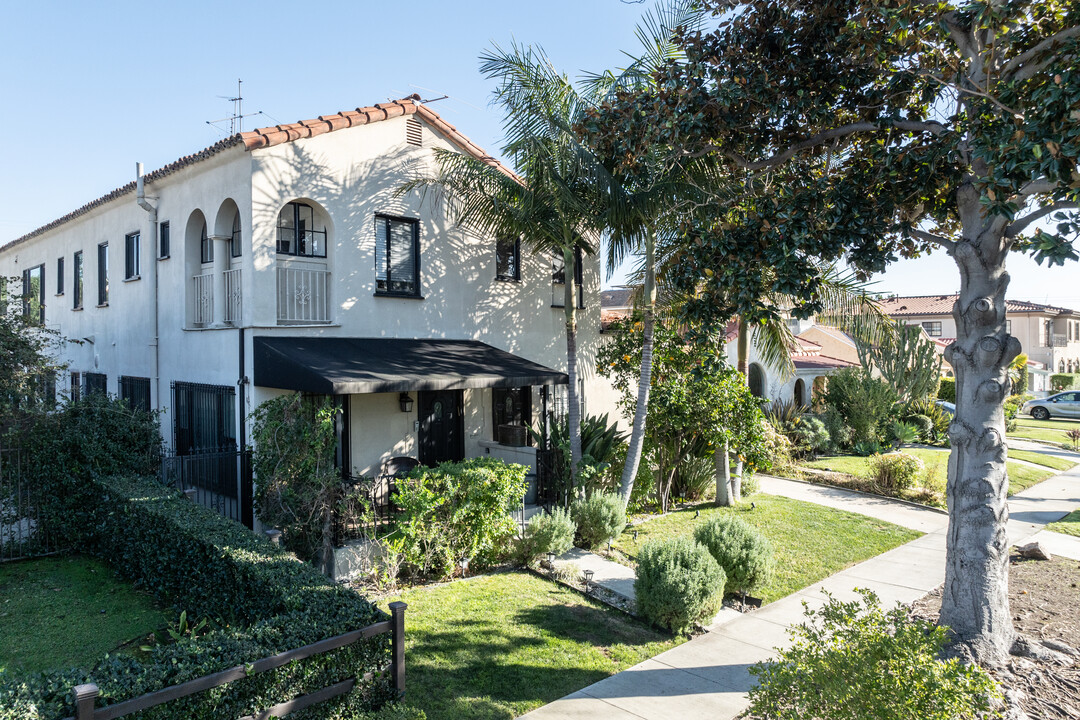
{"points": [[1044, 597]]}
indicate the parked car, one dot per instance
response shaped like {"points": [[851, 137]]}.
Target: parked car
{"points": [[946, 406], [1065, 404]]}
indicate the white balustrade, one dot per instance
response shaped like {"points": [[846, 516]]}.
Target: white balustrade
{"points": [[302, 295]]}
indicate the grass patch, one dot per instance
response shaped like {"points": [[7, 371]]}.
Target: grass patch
{"points": [[61, 612], [1049, 431], [1055, 423], [1069, 525], [811, 541], [501, 645], [1051, 461], [1021, 476]]}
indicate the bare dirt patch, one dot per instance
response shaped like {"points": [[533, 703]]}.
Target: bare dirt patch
{"points": [[1044, 597]]}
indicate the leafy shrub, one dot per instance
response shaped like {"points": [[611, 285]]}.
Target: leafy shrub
{"points": [[904, 433], [938, 416], [599, 518], [643, 483], [694, 477], [744, 554], [548, 532], [751, 485], [947, 390], [1064, 381], [839, 432], [865, 449], [864, 402], [894, 472], [778, 448], [601, 442], [1013, 403], [853, 661], [192, 558], [678, 584], [457, 510], [923, 425], [809, 436]]}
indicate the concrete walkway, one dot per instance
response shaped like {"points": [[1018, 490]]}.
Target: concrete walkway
{"points": [[708, 677]]}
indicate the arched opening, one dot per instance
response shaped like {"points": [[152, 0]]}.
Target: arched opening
{"points": [[800, 393], [228, 224], [756, 380], [198, 256], [304, 236]]}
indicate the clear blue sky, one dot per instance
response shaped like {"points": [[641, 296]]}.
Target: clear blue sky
{"points": [[88, 89]]}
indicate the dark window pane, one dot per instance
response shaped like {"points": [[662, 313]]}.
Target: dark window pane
{"points": [[163, 240], [60, 276], [204, 418], [235, 246], [77, 280], [508, 259], [396, 254], [135, 391], [103, 273], [206, 247], [131, 256]]}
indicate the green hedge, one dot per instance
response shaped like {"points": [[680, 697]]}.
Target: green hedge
{"points": [[947, 390], [198, 561], [1064, 381]]}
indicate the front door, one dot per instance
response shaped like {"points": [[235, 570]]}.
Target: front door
{"points": [[442, 426]]}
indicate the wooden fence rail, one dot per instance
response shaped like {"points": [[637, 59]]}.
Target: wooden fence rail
{"points": [[86, 695]]}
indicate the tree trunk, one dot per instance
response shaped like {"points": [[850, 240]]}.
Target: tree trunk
{"points": [[975, 603], [736, 484], [574, 409], [637, 434], [723, 476], [742, 350]]}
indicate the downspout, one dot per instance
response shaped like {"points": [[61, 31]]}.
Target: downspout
{"points": [[140, 197]]}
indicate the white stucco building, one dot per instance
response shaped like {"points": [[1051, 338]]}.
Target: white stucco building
{"points": [[279, 260]]}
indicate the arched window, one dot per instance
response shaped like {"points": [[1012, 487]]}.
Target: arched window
{"points": [[800, 393], [206, 248], [756, 377], [298, 232], [235, 246]]}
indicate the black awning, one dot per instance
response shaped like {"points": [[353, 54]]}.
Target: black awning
{"points": [[342, 366]]}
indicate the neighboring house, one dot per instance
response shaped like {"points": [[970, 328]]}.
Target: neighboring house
{"points": [[280, 260], [1049, 335]]}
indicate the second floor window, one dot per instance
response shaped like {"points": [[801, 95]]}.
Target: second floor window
{"points": [[397, 256], [34, 293], [59, 276], [76, 281], [132, 244], [163, 239], [235, 248], [508, 259], [206, 247], [933, 329], [298, 231], [558, 279], [103, 274]]}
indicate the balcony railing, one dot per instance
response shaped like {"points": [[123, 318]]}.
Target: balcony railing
{"points": [[303, 295], [1059, 341], [233, 297], [204, 299]]}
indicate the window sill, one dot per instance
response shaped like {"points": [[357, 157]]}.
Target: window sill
{"points": [[102, 305], [401, 296], [500, 278], [133, 278], [78, 309], [59, 294], [164, 257]]}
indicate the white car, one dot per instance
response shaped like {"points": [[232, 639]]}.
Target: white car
{"points": [[1066, 404]]}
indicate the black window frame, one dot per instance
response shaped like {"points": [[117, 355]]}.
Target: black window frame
{"points": [[558, 277], [932, 328], [135, 391], [77, 280], [299, 245], [27, 292], [236, 248], [204, 418], [389, 280], [206, 247], [60, 276], [132, 259], [514, 246], [103, 273], [164, 239], [95, 382], [76, 386], [521, 398]]}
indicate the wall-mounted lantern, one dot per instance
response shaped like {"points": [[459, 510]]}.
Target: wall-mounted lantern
{"points": [[406, 402]]}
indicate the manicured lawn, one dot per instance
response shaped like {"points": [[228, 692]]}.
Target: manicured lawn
{"points": [[1070, 524], [811, 541], [500, 645], [67, 612], [1021, 476], [1050, 461], [1051, 431]]}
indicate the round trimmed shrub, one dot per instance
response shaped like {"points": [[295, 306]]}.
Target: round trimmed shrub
{"points": [[923, 424], [678, 584], [546, 533], [599, 518], [895, 472], [745, 555]]}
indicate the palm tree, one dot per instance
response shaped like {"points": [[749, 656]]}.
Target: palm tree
{"points": [[553, 200]]}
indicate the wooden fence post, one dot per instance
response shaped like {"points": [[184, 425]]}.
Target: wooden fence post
{"points": [[85, 697], [397, 615]]}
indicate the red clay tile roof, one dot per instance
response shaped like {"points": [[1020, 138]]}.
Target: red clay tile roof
{"points": [[943, 305], [279, 134], [820, 362]]}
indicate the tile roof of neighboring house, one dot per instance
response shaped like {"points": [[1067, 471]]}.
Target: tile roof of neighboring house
{"points": [[620, 297], [806, 347], [809, 362], [279, 134], [835, 333], [943, 305]]}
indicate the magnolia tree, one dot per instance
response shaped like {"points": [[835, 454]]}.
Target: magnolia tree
{"points": [[871, 130]]}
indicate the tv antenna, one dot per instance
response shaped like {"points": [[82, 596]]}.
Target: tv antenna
{"points": [[236, 120]]}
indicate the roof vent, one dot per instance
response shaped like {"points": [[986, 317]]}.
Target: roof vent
{"points": [[414, 132]]}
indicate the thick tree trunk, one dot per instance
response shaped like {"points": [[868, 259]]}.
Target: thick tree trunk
{"points": [[742, 350], [574, 409], [736, 484], [976, 597], [637, 433], [723, 476]]}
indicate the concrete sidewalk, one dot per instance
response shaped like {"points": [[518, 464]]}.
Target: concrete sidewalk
{"points": [[709, 677]]}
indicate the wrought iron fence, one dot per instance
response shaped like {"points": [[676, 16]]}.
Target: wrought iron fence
{"points": [[366, 508], [221, 481], [22, 532]]}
